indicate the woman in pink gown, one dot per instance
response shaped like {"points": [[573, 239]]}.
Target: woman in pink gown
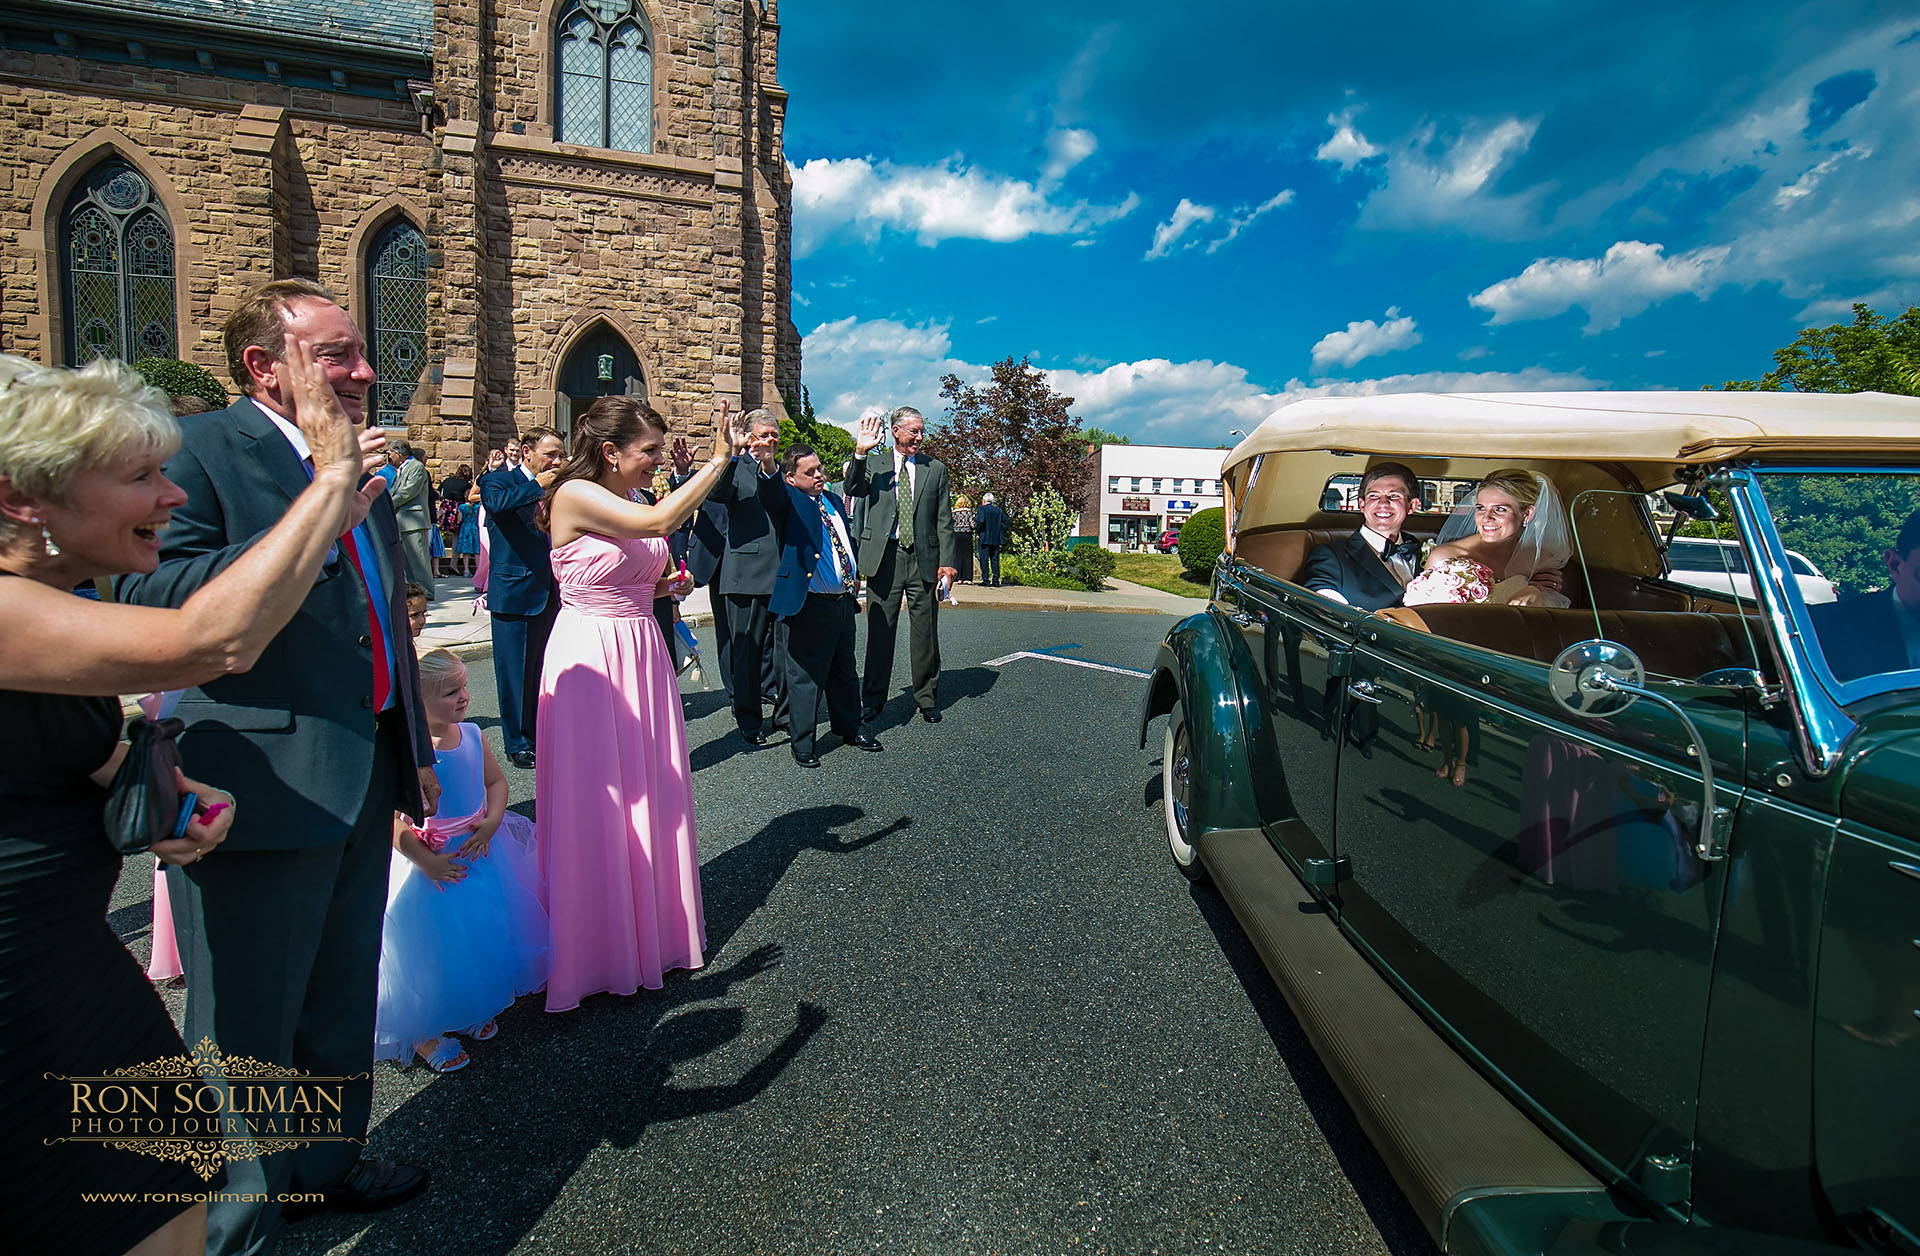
{"points": [[612, 782]]}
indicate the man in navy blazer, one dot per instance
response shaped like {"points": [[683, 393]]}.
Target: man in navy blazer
{"points": [[813, 596], [990, 529], [1370, 569], [1873, 633], [520, 591], [320, 742]]}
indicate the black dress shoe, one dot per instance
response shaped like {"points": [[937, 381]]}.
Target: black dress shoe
{"points": [[521, 759], [860, 741], [368, 1187], [753, 736], [930, 714], [806, 760]]}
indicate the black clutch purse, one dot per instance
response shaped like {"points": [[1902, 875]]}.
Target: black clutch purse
{"points": [[143, 803]]}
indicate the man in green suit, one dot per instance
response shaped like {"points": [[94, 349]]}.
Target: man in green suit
{"points": [[905, 539]]}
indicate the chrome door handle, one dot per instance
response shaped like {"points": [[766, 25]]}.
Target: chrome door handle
{"points": [[1364, 690]]}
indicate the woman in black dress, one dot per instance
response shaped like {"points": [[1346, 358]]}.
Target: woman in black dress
{"points": [[82, 496]]}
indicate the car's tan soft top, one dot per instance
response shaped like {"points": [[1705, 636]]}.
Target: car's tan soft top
{"points": [[1617, 427]]}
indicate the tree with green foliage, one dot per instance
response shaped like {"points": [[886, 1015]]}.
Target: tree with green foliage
{"points": [[1092, 438], [1870, 354], [183, 379], [833, 443], [1014, 436], [1844, 523]]}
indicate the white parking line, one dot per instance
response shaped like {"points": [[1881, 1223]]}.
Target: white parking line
{"points": [[1056, 658]]}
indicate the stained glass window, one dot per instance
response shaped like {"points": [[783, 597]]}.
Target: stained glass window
{"points": [[397, 293], [118, 262], [605, 55]]}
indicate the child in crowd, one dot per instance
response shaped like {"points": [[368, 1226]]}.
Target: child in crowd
{"points": [[416, 609], [465, 932]]}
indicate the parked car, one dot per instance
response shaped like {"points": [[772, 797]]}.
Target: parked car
{"points": [[1169, 541], [1602, 917], [1721, 567]]}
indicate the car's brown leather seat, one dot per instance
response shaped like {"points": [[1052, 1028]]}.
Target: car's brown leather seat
{"points": [[1669, 643]]}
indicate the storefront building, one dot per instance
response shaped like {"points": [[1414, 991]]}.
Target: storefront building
{"points": [[1141, 492]]}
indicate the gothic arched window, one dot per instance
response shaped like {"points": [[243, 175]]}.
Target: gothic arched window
{"points": [[397, 298], [604, 52], [117, 259]]}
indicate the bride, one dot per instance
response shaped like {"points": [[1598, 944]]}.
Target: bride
{"points": [[1518, 530]]}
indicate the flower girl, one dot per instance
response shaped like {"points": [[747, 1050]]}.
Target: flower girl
{"points": [[465, 931]]}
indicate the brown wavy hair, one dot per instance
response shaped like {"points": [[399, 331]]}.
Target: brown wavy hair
{"points": [[616, 420]]}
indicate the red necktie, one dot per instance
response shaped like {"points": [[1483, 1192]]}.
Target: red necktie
{"points": [[382, 680]]}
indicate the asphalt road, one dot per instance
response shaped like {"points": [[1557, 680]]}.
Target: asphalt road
{"points": [[956, 1001]]}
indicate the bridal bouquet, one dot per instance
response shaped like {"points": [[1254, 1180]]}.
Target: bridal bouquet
{"points": [[1451, 580]]}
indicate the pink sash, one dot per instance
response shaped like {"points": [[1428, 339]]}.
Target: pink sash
{"points": [[439, 830]]}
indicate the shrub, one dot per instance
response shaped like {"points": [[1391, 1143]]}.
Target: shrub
{"points": [[1093, 563], [1043, 526], [1036, 571], [183, 379], [1202, 539]]}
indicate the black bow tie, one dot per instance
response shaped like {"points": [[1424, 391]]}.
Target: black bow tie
{"points": [[1406, 547]]}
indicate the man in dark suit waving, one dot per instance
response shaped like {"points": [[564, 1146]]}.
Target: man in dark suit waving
{"points": [[745, 579], [1370, 569], [812, 599], [520, 591], [906, 548], [320, 743]]}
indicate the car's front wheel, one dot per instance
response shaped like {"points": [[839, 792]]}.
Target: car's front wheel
{"points": [[1176, 770]]}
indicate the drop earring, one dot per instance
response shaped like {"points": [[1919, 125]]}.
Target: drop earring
{"points": [[46, 537]]}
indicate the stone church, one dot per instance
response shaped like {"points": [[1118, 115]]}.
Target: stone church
{"points": [[524, 203]]}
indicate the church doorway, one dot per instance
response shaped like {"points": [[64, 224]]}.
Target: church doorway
{"points": [[600, 364]]}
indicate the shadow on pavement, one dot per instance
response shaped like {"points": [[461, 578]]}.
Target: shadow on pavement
{"points": [[553, 1089]]}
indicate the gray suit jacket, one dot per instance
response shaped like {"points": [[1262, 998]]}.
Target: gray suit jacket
{"points": [[753, 543], [293, 738], [876, 507], [410, 495]]}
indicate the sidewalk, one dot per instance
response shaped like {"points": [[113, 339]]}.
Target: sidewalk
{"points": [[454, 624]]}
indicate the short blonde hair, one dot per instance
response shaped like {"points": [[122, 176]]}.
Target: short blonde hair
{"points": [[56, 423], [438, 664]]}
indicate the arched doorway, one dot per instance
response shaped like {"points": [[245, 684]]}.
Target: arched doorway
{"points": [[600, 364]]}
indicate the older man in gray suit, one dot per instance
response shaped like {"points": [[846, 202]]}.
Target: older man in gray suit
{"points": [[905, 513], [410, 495]]}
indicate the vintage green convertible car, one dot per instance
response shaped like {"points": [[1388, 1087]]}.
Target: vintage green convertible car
{"points": [[1606, 917]]}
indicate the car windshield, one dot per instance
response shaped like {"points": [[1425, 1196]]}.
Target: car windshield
{"points": [[1859, 533]]}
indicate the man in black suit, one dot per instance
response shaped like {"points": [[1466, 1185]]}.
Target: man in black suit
{"points": [[745, 579], [706, 549], [813, 594], [320, 743], [906, 547], [990, 529], [1873, 633], [1370, 569], [520, 591]]}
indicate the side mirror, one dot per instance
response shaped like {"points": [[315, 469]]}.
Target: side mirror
{"points": [[1598, 678], [1694, 507]]}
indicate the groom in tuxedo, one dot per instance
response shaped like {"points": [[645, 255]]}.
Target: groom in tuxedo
{"points": [[1370, 569]]}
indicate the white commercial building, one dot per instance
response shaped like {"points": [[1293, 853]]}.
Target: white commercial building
{"points": [[1141, 491]]}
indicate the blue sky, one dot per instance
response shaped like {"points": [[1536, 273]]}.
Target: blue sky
{"points": [[1189, 217]]}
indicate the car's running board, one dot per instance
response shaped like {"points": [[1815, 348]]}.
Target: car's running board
{"points": [[1462, 1152]]}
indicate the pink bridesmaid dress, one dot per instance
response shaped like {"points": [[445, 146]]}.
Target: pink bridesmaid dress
{"points": [[613, 785]]}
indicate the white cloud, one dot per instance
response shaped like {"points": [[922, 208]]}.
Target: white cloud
{"points": [[1473, 353], [851, 364], [932, 203], [1348, 146], [1364, 340], [1627, 280], [1809, 182], [1185, 216], [1433, 177], [1243, 218], [1067, 147]]}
